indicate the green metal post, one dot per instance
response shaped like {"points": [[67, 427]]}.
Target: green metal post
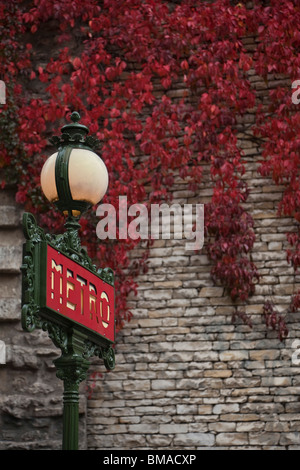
{"points": [[70, 420], [76, 342], [72, 369]]}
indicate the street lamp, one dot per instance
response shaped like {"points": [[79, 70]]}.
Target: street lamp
{"points": [[63, 292], [74, 178]]}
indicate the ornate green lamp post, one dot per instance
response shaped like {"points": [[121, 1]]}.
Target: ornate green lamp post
{"points": [[63, 292]]}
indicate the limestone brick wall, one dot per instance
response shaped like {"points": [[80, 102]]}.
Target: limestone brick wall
{"points": [[186, 377], [30, 392]]}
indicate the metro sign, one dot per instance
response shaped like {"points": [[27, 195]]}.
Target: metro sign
{"points": [[78, 294], [65, 294]]}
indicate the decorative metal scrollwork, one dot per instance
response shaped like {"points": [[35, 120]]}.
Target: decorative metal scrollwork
{"points": [[74, 134], [31, 317], [30, 310], [107, 354], [31, 230], [58, 335]]}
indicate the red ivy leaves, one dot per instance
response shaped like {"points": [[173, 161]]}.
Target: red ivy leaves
{"points": [[275, 321], [127, 51], [278, 125], [233, 238]]}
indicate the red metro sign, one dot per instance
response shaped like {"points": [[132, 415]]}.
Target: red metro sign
{"points": [[79, 295]]}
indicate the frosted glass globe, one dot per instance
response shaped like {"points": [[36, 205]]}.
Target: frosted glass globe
{"points": [[87, 175]]}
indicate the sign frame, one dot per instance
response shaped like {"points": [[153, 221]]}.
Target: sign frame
{"points": [[45, 292], [36, 313]]}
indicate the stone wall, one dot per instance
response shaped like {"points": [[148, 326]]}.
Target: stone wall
{"points": [[186, 377], [30, 393]]}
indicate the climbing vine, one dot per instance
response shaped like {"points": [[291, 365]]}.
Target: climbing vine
{"points": [[118, 63]]}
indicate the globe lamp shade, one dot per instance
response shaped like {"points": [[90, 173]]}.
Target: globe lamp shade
{"points": [[74, 179]]}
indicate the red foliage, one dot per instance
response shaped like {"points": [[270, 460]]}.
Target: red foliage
{"points": [[127, 50], [278, 124], [275, 321]]}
